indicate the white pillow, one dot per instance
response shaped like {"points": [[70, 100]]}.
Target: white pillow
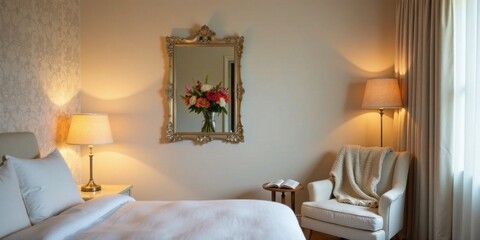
{"points": [[46, 184], [13, 215]]}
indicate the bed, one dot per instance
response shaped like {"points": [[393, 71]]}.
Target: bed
{"points": [[29, 211]]}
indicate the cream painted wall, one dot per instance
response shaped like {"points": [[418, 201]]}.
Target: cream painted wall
{"points": [[40, 72], [304, 67]]}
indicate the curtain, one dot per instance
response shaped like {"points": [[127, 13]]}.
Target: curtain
{"points": [[466, 200], [424, 67]]}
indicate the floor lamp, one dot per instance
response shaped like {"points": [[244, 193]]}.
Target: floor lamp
{"points": [[381, 94], [90, 129]]}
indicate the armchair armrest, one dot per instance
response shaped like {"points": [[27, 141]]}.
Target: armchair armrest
{"points": [[390, 196], [320, 190], [390, 207], [391, 203]]}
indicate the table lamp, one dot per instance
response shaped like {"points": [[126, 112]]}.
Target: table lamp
{"points": [[90, 129], [380, 94]]}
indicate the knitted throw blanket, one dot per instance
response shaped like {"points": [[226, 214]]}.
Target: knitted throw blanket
{"points": [[356, 173]]}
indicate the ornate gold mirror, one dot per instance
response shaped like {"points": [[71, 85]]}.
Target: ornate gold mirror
{"points": [[205, 89]]}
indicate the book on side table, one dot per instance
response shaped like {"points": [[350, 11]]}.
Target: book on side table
{"points": [[280, 183]]}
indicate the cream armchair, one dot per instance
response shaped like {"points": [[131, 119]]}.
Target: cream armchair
{"points": [[324, 214]]}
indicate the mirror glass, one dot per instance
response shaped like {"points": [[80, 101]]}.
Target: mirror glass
{"points": [[196, 64], [205, 88]]}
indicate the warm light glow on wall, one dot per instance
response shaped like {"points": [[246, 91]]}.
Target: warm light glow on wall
{"points": [[125, 78], [367, 55], [61, 91], [362, 58], [401, 67], [70, 153], [367, 47]]}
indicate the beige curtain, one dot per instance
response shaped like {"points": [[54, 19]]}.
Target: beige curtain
{"points": [[424, 67]]}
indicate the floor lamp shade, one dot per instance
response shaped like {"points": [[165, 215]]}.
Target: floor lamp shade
{"points": [[380, 94], [90, 129]]}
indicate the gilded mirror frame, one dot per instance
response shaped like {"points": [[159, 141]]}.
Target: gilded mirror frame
{"points": [[205, 37]]}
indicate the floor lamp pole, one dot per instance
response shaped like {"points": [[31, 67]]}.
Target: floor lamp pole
{"points": [[381, 127]]}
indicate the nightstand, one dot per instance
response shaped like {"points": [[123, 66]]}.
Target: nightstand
{"points": [[106, 190], [274, 191]]}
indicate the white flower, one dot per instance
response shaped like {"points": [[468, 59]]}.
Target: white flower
{"points": [[222, 102], [192, 100], [206, 87]]}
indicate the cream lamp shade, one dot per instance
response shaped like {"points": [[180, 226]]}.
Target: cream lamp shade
{"points": [[89, 129], [382, 93]]}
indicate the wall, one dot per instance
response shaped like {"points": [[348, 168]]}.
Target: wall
{"points": [[304, 68], [40, 71]]}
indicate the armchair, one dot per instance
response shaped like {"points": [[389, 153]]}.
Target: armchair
{"points": [[324, 214]]}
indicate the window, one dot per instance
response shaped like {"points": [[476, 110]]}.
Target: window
{"points": [[466, 154]]}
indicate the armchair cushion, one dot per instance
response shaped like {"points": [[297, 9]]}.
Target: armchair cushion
{"points": [[347, 215]]}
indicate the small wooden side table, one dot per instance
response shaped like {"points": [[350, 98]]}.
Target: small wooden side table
{"points": [[274, 191]]}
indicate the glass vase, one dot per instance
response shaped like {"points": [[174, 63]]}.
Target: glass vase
{"points": [[208, 124]]}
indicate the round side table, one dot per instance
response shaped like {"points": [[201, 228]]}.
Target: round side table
{"points": [[274, 191]]}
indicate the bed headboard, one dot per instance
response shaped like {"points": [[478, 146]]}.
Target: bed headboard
{"points": [[19, 144]]}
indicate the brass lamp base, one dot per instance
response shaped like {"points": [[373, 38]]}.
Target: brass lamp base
{"points": [[91, 187]]}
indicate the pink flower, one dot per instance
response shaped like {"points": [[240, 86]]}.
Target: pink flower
{"points": [[212, 95], [188, 89], [202, 103]]}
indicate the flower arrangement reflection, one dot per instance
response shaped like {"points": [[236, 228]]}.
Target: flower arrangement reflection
{"points": [[206, 99]]}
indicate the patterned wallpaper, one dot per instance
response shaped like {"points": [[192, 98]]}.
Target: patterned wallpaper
{"points": [[40, 71]]}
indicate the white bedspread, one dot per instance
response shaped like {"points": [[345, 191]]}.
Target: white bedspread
{"points": [[120, 217]]}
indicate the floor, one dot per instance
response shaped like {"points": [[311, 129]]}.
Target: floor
{"points": [[323, 236], [319, 236]]}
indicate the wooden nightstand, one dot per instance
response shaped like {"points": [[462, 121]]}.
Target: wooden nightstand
{"points": [[106, 190]]}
